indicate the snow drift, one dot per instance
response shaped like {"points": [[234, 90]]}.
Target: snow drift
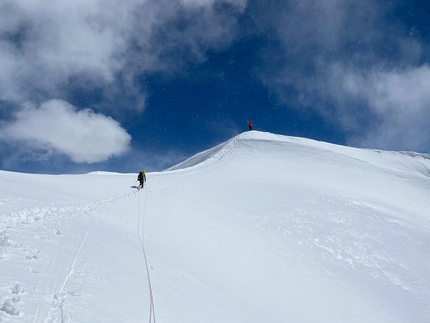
{"points": [[263, 228]]}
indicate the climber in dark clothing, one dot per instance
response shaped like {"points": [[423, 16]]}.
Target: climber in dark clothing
{"points": [[141, 178]]}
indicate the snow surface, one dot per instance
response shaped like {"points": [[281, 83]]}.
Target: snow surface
{"points": [[263, 228]]}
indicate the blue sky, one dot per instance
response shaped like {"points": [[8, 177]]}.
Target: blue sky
{"points": [[129, 85]]}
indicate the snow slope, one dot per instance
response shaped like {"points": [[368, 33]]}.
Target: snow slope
{"points": [[263, 228]]}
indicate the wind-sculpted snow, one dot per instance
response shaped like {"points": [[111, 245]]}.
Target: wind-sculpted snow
{"points": [[262, 228], [209, 156]]}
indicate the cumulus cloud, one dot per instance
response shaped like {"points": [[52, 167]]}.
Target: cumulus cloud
{"points": [[42, 44], [56, 126], [47, 47], [55, 51], [356, 64], [400, 102]]}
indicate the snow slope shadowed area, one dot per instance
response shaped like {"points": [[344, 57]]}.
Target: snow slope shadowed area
{"points": [[205, 156], [262, 228]]}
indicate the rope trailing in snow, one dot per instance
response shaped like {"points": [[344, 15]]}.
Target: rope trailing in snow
{"points": [[142, 244]]}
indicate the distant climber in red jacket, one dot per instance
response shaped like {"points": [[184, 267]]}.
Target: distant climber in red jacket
{"points": [[250, 125]]}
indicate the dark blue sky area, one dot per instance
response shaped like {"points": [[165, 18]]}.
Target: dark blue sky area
{"points": [[214, 101]]}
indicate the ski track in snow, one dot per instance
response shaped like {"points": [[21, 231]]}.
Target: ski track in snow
{"points": [[57, 264]]}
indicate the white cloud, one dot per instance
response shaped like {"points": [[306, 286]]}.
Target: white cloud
{"points": [[399, 100], [84, 136], [356, 64], [52, 49], [311, 35], [46, 44]]}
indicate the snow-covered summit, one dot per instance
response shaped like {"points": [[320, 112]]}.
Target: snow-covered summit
{"points": [[262, 228], [396, 160]]}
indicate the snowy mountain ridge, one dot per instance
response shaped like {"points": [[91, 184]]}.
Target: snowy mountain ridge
{"points": [[262, 228], [367, 155]]}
